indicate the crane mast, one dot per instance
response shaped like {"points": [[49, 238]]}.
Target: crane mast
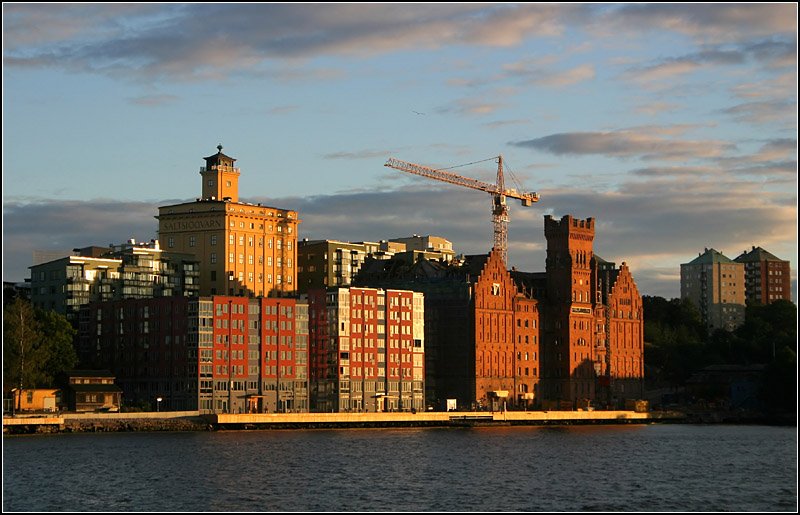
{"points": [[498, 191]]}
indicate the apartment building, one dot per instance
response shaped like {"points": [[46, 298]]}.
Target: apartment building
{"points": [[217, 354], [767, 278], [716, 285], [127, 271], [367, 350], [333, 263]]}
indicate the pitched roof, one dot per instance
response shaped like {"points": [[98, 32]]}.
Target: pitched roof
{"points": [[709, 257], [757, 254]]}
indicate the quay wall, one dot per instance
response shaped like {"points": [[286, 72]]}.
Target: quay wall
{"points": [[193, 421]]}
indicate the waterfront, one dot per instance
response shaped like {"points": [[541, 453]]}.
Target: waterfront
{"points": [[673, 467]]}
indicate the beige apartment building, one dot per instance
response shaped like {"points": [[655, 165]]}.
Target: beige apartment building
{"points": [[243, 249], [716, 285]]}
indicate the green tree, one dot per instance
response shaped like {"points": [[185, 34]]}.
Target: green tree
{"points": [[59, 336], [37, 346], [22, 355]]}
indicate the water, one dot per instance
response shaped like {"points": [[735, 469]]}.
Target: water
{"points": [[605, 468]]}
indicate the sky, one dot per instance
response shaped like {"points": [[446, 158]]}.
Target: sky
{"points": [[674, 126]]}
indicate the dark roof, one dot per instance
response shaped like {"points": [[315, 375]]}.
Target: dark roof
{"points": [[219, 156], [95, 388], [709, 257], [757, 254]]}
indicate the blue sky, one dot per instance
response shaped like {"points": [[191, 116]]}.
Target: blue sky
{"points": [[673, 125]]}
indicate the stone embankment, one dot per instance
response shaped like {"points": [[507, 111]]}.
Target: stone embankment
{"points": [[106, 423], [193, 421]]}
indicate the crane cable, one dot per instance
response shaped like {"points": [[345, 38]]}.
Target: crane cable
{"points": [[506, 169]]}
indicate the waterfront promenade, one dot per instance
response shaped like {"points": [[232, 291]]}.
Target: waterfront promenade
{"points": [[193, 420]]}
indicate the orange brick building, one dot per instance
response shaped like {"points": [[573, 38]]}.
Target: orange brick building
{"points": [[506, 338], [594, 335], [570, 336]]}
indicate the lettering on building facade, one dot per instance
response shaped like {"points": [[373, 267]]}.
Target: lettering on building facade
{"points": [[189, 225]]}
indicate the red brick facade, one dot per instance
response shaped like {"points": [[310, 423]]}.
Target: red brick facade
{"points": [[506, 338]]}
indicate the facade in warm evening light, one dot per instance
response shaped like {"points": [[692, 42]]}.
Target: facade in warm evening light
{"points": [[367, 350], [571, 335], [128, 271], [766, 278], [332, 263], [217, 354], [243, 249], [716, 286], [594, 335]]}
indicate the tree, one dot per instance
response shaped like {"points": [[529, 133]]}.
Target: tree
{"points": [[22, 355], [58, 334], [37, 346]]}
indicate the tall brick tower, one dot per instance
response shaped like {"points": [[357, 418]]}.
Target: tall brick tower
{"points": [[568, 351]]}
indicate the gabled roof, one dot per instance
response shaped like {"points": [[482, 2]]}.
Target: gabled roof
{"points": [[709, 257], [757, 254]]}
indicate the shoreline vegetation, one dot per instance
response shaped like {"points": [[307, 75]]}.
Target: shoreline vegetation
{"points": [[193, 421]]}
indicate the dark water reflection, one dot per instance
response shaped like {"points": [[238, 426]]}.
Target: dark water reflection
{"points": [[619, 468]]}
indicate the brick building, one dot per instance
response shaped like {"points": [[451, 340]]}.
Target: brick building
{"points": [[367, 350], [767, 278], [213, 354], [594, 335], [572, 334]]}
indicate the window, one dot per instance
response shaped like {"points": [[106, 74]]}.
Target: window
{"points": [[213, 239], [213, 257]]}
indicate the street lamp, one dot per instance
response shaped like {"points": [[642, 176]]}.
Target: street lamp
{"points": [[158, 403]]}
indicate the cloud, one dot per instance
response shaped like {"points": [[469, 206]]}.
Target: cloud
{"points": [[705, 23], [673, 221], [180, 41], [363, 154], [470, 106], [504, 123], [642, 144], [539, 72], [772, 54], [656, 108], [153, 100], [764, 112], [57, 225]]}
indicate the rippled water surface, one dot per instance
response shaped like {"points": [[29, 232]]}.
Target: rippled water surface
{"points": [[606, 468]]}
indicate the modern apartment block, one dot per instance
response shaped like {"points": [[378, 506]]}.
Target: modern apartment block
{"points": [[716, 285], [217, 354], [367, 350], [766, 278], [243, 249], [332, 263], [127, 271]]}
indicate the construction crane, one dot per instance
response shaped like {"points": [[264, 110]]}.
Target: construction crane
{"points": [[498, 192]]}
